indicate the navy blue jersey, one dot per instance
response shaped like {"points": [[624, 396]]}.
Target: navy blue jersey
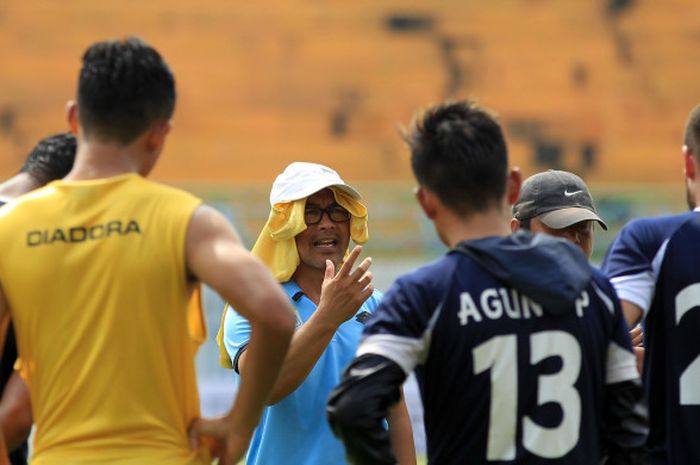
{"points": [[672, 362], [632, 260], [503, 380]]}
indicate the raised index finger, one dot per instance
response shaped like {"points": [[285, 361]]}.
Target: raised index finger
{"points": [[350, 262]]}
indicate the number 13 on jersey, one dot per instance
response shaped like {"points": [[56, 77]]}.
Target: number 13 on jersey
{"points": [[499, 355]]}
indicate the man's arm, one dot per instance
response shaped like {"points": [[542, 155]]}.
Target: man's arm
{"points": [[626, 424], [15, 412], [633, 313], [358, 406], [216, 256], [342, 295], [4, 320], [401, 433], [625, 417]]}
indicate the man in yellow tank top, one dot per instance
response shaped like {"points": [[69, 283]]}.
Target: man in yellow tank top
{"points": [[97, 270]]}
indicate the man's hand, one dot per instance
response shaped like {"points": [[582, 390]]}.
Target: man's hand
{"points": [[637, 336], [343, 294], [223, 440]]}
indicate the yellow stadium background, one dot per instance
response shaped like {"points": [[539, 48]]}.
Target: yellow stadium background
{"points": [[598, 87]]}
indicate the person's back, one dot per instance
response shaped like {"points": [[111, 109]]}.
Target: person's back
{"points": [[525, 379], [653, 265], [99, 270], [520, 348], [115, 245], [672, 363]]}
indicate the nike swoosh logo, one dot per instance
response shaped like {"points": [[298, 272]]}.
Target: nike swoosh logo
{"points": [[569, 194]]}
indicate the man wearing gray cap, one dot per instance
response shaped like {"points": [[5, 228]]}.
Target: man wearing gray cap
{"points": [[557, 203]]}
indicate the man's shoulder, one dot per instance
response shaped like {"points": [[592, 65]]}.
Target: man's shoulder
{"points": [[639, 242], [29, 202], [602, 285], [654, 230], [372, 302]]}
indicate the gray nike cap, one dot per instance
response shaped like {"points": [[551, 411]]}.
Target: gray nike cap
{"points": [[558, 198]]}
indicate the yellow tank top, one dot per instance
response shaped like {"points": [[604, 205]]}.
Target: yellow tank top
{"points": [[95, 277]]}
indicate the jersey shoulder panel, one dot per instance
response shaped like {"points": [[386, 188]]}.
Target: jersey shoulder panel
{"points": [[638, 242]]}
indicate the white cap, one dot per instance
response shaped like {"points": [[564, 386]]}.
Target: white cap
{"points": [[301, 179]]}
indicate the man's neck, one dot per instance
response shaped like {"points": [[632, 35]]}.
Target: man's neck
{"points": [[17, 185], [96, 160], [454, 229], [309, 281]]}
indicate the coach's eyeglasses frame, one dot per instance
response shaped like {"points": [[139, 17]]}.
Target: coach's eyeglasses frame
{"points": [[336, 213]]}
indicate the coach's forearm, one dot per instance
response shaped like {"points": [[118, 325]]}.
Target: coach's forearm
{"points": [[401, 433], [307, 346]]}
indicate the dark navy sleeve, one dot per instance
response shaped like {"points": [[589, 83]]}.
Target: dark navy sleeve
{"points": [[401, 327], [632, 251], [633, 258], [629, 261]]}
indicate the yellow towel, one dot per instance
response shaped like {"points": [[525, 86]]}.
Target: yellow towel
{"points": [[277, 248]]}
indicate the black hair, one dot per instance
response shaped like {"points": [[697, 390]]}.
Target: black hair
{"points": [[458, 152], [124, 87], [52, 158], [691, 137]]}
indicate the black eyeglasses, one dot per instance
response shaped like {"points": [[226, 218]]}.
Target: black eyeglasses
{"points": [[337, 214]]}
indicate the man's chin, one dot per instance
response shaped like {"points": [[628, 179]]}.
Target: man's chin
{"points": [[337, 261]]}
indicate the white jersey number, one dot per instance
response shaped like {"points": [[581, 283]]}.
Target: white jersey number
{"points": [[686, 300], [499, 355]]}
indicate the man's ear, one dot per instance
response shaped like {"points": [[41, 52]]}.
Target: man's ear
{"points": [[688, 163], [427, 201], [72, 116], [157, 134], [514, 224], [515, 180]]}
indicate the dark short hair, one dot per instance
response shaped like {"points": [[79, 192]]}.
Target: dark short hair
{"points": [[124, 87], [52, 158], [691, 137], [458, 151]]}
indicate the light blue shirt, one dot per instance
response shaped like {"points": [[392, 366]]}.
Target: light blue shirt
{"points": [[295, 430]]}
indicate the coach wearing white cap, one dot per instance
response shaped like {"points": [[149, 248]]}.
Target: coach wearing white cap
{"points": [[313, 216], [557, 203]]}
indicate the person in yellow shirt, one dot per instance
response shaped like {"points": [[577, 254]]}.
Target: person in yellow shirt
{"points": [[51, 158], [97, 270]]}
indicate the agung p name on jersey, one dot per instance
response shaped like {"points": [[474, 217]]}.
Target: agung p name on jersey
{"points": [[82, 233], [495, 303]]}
